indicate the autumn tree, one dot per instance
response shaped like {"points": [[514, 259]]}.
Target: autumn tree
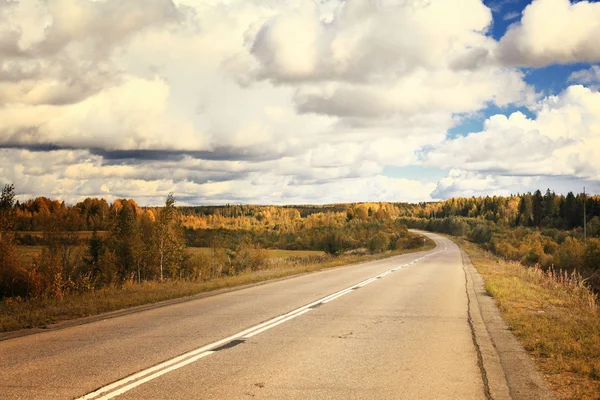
{"points": [[125, 239], [168, 238], [13, 280]]}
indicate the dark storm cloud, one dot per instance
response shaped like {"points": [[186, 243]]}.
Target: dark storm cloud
{"points": [[140, 156], [218, 154]]}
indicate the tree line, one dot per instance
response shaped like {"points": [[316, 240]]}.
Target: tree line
{"points": [[528, 210], [126, 242], [551, 248], [136, 245]]}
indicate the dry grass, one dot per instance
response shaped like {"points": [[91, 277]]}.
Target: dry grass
{"points": [[555, 317], [27, 253], [272, 253], [29, 314], [80, 234]]}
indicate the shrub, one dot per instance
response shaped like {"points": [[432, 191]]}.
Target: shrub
{"points": [[569, 254], [591, 258], [379, 243], [14, 280]]}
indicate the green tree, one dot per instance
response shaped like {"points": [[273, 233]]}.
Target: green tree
{"points": [[168, 238], [7, 211], [13, 279], [379, 243], [591, 258], [525, 215], [125, 239], [537, 202]]}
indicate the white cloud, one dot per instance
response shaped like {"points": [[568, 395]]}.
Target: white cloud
{"points": [[74, 175], [511, 15], [553, 31], [590, 76], [254, 101], [418, 92], [367, 40], [563, 140], [129, 116], [461, 183]]}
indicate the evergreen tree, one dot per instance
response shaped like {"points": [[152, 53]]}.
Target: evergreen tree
{"points": [[525, 214], [537, 203]]}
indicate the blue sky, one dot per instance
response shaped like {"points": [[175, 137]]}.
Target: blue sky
{"points": [[298, 101]]}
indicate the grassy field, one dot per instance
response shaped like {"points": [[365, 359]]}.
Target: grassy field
{"points": [[272, 253], [80, 234], [29, 314], [554, 316], [27, 253]]}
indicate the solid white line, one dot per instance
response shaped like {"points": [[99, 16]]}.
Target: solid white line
{"points": [[194, 355], [338, 296], [366, 282], [248, 331], [154, 376], [275, 324]]}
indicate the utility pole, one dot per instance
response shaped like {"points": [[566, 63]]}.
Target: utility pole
{"points": [[584, 218]]}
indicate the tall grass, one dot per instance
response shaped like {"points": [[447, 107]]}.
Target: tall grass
{"points": [[555, 316]]}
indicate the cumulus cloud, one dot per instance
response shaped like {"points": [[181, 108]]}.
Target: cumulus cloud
{"points": [[562, 140], [257, 101], [129, 116], [40, 27], [460, 183], [553, 31], [418, 92], [368, 40], [590, 76], [73, 175]]}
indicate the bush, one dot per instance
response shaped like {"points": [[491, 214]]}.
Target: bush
{"points": [[591, 258], [480, 234], [14, 280], [333, 242], [570, 254], [248, 256], [379, 243]]}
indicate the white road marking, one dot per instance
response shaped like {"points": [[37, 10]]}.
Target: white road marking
{"points": [[338, 295], [276, 323], [123, 385], [154, 376]]}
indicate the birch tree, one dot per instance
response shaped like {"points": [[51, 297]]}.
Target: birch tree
{"points": [[168, 238]]}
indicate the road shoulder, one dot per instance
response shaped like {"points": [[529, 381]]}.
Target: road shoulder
{"points": [[510, 372]]}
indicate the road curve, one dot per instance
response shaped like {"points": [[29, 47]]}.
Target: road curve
{"points": [[397, 328]]}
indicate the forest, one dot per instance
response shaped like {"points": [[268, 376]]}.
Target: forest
{"points": [[94, 244]]}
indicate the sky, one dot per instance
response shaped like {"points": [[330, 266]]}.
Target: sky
{"points": [[298, 101]]}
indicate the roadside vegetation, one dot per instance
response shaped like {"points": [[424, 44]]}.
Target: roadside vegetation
{"points": [[554, 314], [59, 262], [533, 229], [16, 313]]}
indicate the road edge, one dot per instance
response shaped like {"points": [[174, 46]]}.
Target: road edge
{"points": [[150, 306], [511, 373]]}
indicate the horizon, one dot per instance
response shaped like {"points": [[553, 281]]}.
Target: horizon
{"points": [[298, 102], [324, 205]]}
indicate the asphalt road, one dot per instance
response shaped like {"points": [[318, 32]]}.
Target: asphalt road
{"points": [[410, 333]]}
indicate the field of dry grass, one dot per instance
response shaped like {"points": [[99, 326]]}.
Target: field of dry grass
{"points": [[555, 317], [27, 253], [29, 314], [272, 253]]}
